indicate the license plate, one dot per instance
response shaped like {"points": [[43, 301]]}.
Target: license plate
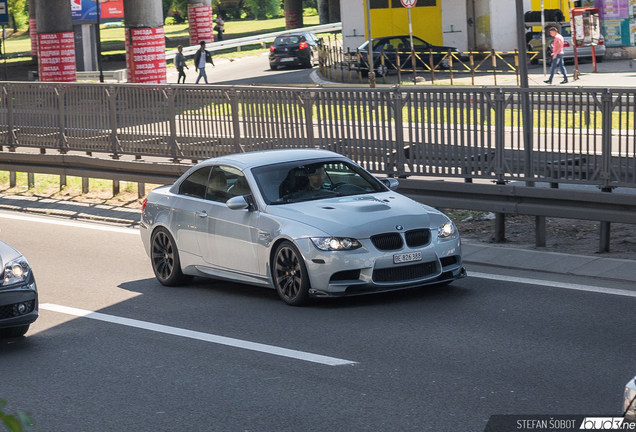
{"points": [[407, 257], [287, 59]]}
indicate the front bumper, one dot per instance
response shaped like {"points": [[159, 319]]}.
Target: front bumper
{"points": [[367, 270], [12, 300]]}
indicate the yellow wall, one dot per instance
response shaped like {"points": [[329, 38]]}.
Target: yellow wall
{"points": [[426, 22]]}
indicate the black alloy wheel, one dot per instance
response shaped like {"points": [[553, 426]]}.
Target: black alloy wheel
{"points": [[290, 275], [165, 259]]}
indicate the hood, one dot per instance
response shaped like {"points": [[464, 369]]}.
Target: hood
{"points": [[7, 253], [359, 216]]}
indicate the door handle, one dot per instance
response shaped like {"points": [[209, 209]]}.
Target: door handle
{"points": [[202, 214]]}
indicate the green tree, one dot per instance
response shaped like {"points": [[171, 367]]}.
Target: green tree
{"points": [[18, 17], [165, 8], [263, 9]]}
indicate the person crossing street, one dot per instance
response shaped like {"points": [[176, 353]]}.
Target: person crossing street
{"points": [[201, 58], [557, 56]]}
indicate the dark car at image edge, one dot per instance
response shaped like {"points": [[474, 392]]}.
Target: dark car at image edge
{"points": [[18, 293]]}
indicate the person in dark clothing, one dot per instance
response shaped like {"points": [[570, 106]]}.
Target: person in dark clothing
{"points": [[219, 27], [201, 58], [180, 63]]}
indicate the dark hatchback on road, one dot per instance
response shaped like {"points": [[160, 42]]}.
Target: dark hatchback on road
{"points": [[18, 293], [392, 47], [294, 49]]}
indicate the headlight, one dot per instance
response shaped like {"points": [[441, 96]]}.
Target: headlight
{"points": [[335, 243], [16, 271], [446, 230]]}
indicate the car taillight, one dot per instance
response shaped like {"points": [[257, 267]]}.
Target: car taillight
{"points": [[271, 48], [143, 206], [601, 42], [566, 44], [303, 45]]}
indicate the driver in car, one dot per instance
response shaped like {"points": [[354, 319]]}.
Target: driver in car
{"points": [[315, 186]]}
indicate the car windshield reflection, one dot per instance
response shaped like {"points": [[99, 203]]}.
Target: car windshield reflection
{"points": [[310, 180]]}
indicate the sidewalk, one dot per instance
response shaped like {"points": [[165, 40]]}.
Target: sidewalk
{"points": [[479, 254]]}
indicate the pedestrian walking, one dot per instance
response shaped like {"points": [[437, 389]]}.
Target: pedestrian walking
{"points": [[219, 28], [180, 63], [200, 59], [557, 56]]}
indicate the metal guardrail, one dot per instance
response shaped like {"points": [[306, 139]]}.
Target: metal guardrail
{"points": [[251, 40], [507, 199], [579, 136]]}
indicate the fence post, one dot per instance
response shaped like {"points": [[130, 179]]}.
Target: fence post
{"points": [[399, 131], [111, 92], [62, 141], [605, 174], [8, 93], [232, 95], [500, 106], [170, 94], [308, 105]]}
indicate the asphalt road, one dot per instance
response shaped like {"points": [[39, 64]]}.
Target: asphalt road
{"points": [[250, 70], [168, 359]]}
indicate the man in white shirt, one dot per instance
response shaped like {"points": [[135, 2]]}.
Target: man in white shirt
{"points": [[200, 59]]}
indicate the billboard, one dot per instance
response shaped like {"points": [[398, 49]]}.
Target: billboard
{"points": [[85, 11], [56, 58]]}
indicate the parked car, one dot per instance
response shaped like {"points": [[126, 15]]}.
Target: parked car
{"points": [[629, 400], [308, 223], [18, 294], [392, 47], [294, 49], [535, 46]]}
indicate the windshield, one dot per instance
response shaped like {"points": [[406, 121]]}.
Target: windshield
{"points": [[309, 180], [287, 40]]}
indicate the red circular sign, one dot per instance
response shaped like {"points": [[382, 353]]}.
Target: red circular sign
{"points": [[408, 3]]}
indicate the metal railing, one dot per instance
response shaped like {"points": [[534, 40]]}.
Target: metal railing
{"points": [[252, 40], [579, 136], [350, 66]]}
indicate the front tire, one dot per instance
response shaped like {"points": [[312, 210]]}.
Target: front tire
{"points": [[13, 332], [289, 275], [165, 259]]}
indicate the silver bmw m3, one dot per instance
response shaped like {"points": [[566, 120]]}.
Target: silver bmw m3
{"points": [[308, 223]]}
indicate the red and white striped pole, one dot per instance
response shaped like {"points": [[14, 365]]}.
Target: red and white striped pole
{"points": [[145, 41]]}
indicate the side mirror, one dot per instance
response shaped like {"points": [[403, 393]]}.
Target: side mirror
{"points": [[237, 203], [390, 182]]}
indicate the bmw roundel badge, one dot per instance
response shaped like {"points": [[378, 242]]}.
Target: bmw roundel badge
{"points": [[399, 227]]}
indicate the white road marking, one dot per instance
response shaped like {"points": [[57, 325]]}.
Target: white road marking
{"points": [[554, 284], [63, 222], [206, 337]]}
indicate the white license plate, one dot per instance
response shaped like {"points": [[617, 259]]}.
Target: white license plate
{"points": [[287, 59], [407, 257]]}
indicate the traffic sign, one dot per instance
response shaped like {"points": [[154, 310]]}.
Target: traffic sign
{"points": [[4, 12], [408, 3]]}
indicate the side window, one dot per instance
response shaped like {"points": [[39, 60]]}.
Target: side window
{"points": [[218, 186], [195, 184], [237, 183]]}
